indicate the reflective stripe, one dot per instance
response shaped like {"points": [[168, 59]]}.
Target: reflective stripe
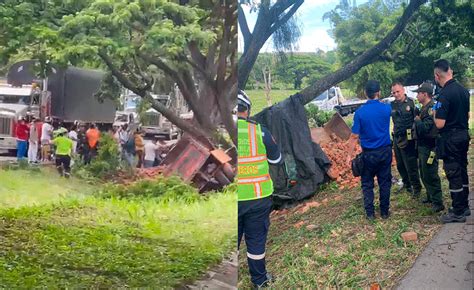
{"points": [[252, 159], [253, 140], [275, 161], [256, 257], [465, 185], [254, 179], [258, 190], [456, 190]]}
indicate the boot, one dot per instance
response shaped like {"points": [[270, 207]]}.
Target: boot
{"points": [[266, 283], [452, 218]]}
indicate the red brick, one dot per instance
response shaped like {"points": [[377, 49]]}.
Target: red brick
{"points": [[409, 236]]}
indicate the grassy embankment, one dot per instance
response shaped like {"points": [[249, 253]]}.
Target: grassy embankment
{"points": [[63, 233]]}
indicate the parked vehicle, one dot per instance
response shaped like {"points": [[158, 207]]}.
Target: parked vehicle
{"points": [[67, 95], [333, 100], [13, 105]]}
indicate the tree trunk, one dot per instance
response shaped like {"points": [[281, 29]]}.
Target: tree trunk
{"points": [[268, 86]]}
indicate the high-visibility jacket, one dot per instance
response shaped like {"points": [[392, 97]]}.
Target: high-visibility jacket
{"points": [[254, 180]]}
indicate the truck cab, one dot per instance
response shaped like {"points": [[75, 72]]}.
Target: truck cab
{"points": [[153, 122], [15, 102], [329, 99]]}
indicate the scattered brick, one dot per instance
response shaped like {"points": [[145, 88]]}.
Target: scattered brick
{"points": [[409, 236]]}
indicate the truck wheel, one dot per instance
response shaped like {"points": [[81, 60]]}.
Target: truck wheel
{"points": [[221, 178]]}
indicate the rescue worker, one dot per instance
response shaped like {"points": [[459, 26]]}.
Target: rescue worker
{"points": [[403, 116], [426, 133], [372, 128], [63, 152], [256, 149], [451, 117]]}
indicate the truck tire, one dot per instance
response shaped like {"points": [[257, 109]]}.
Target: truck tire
{"points": [[221, 178]]}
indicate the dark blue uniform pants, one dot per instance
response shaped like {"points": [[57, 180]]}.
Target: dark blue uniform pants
{"points": [[377, 162], [254, 221]]}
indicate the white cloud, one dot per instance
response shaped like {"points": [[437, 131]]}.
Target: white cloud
{"points": [[316, 38], [310, 4]]}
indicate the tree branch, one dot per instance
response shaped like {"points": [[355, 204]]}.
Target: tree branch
{"points": [[362, 60], [244, 28], [282, 20]]}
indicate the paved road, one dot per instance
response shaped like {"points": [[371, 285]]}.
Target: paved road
{"points": [[223, 276], [448, 261]]}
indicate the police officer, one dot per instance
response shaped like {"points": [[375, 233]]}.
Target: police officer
{"points": [[427, 132], [372, 128], [403, 115], [256, 149], [451, 118]]}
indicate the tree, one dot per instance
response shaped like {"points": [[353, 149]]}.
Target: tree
{"points": [[297, 67], [193, 43], [411, 57], [364, 58], [272, 19]]}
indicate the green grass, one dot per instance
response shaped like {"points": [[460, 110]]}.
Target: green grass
{"points": [[259, 101], [89, 241], [345, 250], [28, 187]]}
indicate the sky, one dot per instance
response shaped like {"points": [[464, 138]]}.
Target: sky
{"points": [[314, 29]]}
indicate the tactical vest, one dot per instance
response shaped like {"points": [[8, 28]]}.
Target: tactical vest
{"points": [[254, 180], [428, 138], [403, 115]]}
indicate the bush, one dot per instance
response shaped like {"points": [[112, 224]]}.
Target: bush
{"points": [[105, 164], [317, 117], [166, 189]]}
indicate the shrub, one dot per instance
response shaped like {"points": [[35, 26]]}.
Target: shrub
{"points": [[317, 117], [105, 164], [166, 189]]}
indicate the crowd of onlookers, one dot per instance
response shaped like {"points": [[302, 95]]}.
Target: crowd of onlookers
{"points": [[41, 142]]}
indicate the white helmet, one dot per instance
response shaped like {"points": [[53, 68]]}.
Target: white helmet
{"points": [[47, 119], [243, 100]]}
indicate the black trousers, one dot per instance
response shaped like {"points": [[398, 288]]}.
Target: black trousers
{"points": [[254, 221], [455, 166], [63, 165]]}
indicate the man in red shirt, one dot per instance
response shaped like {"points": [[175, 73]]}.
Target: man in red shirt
{"points": [[21, 132]]}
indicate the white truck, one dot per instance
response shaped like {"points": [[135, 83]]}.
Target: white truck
{"points": [[332, 99], [16, 102]]}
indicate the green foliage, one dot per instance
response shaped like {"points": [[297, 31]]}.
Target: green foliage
{"points": [[438, 30], [104, 165], [317, 117], [164, 189], [291, 71]]}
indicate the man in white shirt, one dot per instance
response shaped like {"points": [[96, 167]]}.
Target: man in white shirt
{"points": [[46, 133], [73, 136], [33, 142], [151, 149]]}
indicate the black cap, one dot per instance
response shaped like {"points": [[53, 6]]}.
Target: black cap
{"points": [[424, 88], [372, 87]]}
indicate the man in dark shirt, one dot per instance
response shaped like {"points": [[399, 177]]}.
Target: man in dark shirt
{"points": [[372, 128], [403, 115], [451, 118], [427, 132]]}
